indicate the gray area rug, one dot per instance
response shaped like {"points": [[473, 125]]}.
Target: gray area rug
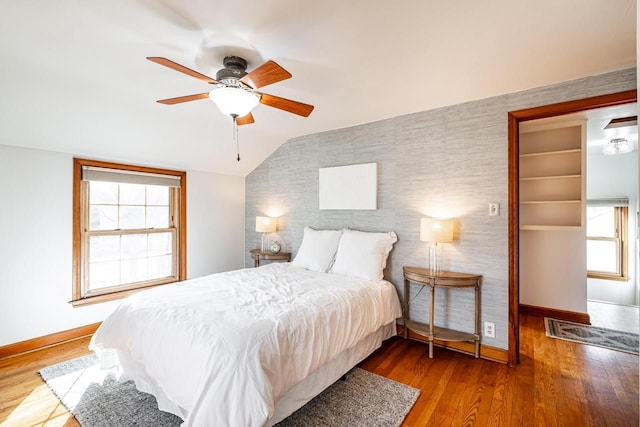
{"points": [[363, 399], [100, 398], [592, 335]]}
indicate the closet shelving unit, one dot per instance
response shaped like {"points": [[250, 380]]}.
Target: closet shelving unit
{"points": [[552, 176]]}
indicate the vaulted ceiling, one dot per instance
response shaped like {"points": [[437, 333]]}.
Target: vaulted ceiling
{"points": [[74, 78]]}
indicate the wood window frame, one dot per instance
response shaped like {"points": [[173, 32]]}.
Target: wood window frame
{"points": [[621, 221], [78, 202]]}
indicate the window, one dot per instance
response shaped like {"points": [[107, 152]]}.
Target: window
{"points": [[129, 229], [607, 239]]}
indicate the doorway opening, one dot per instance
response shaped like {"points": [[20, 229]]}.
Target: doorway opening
{"points": [[514, 120]]}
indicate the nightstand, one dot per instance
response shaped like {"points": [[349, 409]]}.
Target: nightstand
{"points": [[258, 255], [445, 279]]}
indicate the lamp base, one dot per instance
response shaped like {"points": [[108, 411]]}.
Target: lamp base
{"points": [[264, 245], [435, 257]]}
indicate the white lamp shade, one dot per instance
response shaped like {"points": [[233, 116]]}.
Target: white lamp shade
{"points": [[265, 224], [234, 101], [436, 230]]}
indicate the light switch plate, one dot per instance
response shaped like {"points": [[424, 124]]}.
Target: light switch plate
{"points": [[494, 209]]}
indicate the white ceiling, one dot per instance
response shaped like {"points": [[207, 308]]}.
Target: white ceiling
{"points": [[74, 78]]}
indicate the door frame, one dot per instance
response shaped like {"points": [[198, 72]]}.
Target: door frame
{"points": [[514, 119]]}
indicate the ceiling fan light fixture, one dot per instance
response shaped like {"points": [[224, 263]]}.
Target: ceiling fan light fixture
{"points": [[234, 101], [617, 146]]}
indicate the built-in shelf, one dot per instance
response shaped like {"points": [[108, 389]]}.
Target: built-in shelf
{"points": [[551, 227], [534, 178], [551, 153], [551, 173], [551, 238], [547, 202]]}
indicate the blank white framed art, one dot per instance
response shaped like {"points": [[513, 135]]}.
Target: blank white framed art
{"points": [[352, 187]]}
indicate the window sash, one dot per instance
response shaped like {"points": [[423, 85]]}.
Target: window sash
{"points": [[86, 288], [88, 291], [120, 204], [617, 268], [620, 218]]}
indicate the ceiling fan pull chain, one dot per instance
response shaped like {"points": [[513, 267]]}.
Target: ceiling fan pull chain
{"points": [[235, 135]]}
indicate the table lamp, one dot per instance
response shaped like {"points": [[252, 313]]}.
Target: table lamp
{"points": [[434, 231], [265, 225]]}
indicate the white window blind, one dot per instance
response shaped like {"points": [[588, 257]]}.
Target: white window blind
{"points": [[608, 203], [90, 173]]}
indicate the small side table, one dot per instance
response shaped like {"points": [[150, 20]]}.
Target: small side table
{"points": [[445, 279], [258, 255]]}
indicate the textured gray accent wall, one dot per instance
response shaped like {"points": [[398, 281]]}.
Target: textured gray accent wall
{"points": [[447, 161]]}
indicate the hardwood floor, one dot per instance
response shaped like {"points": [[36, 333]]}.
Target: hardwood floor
{"points": [[558, 383], [25, 400]]}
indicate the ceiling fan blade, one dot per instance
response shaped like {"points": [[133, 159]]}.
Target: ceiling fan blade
{"points": [[245, 120], [175, 66], [294, 107], [264, 75], [186, 98]]}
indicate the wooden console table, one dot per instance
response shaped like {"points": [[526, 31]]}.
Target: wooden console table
{"points": [[445, 279]]}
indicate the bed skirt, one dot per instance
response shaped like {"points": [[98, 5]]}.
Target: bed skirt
{"points": [[327, 374]]}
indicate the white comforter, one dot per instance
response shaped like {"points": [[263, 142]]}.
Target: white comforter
{"points": [[222, 349]]}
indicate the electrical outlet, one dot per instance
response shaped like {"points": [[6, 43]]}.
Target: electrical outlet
{"points": [[489, 329], [494, 209]]}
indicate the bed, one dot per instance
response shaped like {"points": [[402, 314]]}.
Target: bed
{"points": [[249, 347]]}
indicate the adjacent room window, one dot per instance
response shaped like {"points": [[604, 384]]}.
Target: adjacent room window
{"points": [[607, 252], [129, 229]]}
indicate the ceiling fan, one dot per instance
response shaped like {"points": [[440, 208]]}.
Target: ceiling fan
{"points": [[234, 90]]}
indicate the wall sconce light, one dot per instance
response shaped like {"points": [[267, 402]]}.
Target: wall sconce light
{"points": [[434, 231], [265, 225]]}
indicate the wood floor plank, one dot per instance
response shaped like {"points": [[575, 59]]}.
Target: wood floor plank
{"points": [[499, 398], [520, 409], [484, 393], [432, 389], [428, 385], [558, 383], [545, 389], [473, 387], [25, 400], [622, 385]]}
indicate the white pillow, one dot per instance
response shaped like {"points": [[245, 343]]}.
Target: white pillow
{"points": [[318, 249], [362, 254]]}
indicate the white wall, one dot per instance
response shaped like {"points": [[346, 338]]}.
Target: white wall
{"points": [[215, 223], [616, 176], [36, 240], [553, 271]]}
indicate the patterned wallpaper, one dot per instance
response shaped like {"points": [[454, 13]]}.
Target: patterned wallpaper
{"points": [[446, 162]]}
